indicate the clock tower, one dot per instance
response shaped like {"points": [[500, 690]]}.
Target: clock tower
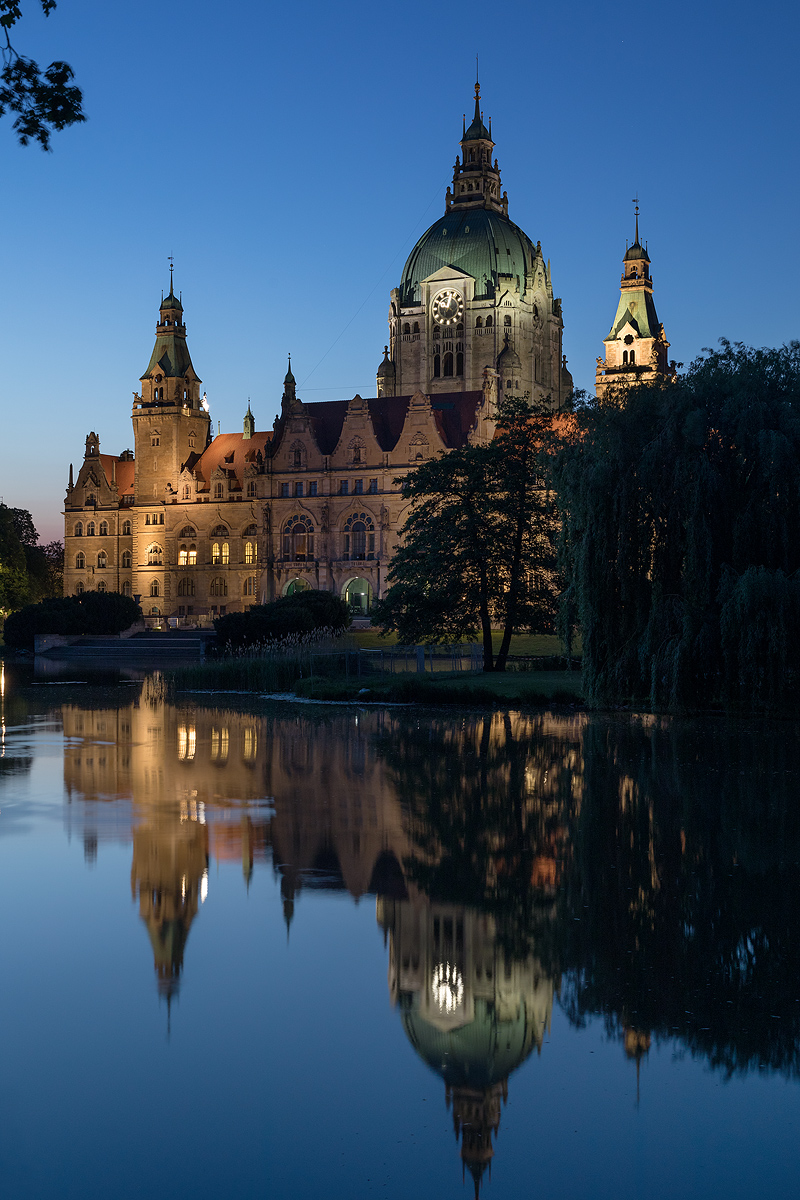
{"points": [[475, 287]]}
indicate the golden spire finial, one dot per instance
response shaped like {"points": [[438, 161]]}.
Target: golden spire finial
{"points": [[636, 214], [171, 261]]}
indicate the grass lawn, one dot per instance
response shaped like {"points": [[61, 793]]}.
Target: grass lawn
{"points": [[521, 643]]}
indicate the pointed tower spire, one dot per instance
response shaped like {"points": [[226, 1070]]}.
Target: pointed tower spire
{"points": [[636, 213], [249, 423], [476, 179]]}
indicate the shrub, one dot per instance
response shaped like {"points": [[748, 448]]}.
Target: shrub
{"points": [[91, 613], [303, 612]]}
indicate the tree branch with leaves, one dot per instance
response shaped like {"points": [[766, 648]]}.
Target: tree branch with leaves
{"points": [[44, 100]]}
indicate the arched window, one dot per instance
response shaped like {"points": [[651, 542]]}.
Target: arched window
{"points": [[218, 490], [406, 328], [102, 559], [437, 366], [459, 363], [126, 558], [625, 357], [436, 331], [154, 438], [186, 586], [226, 554], [187, 532], [103, 528], [416, 327], [126, 529], [79, 529], [91, 498], [249, 586], [215, 554], [251, 530], [219, 531], [251, 488], [479, 322], [147, 519], [127, 590], [80, 561], [359, 537], [155, 555], [298, 539], [79, 589], [250, 552], [154, 588], [448, 364], [186, 490], [101, 587], [489, 321], [219, 587], [507, 321], [155, 611], [90, 529], [633, 356], [183, 555], [460, 329]]}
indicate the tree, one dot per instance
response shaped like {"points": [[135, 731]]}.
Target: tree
{"points": [[44, 100], [478, 546], [89, 613], [300, 613], [28, 571], [681, 535]]}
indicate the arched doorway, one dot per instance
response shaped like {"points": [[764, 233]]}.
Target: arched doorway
{"points": [[358, 595], [296, 585]]}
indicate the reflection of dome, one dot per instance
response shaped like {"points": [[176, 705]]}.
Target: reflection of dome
{"points": [[479, 242], [483, 1052]]}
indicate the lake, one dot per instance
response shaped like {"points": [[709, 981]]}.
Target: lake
{"points": [[293, 951]]}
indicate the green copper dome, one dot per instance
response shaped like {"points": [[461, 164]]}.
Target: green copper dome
{"points": [[478, 1054], [635, 253], [481, 243]]}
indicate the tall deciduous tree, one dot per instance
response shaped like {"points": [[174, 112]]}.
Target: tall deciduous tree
{"points": [[478, 547], [44, 100], [681, 535]]}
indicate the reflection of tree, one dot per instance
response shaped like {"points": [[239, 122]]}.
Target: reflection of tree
{"points": [[487, 801], [655, 865], [687, 865]]}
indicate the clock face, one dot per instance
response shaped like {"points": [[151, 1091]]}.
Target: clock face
{"points": [[447, 307]]}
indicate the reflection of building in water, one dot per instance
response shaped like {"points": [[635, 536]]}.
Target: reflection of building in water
{"points": [[186, 786], [472, 1013]]}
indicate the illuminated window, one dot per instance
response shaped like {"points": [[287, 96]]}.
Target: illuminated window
{"points": [[298, 539], [226, 554], [155, 555], [215, 554], [183, 556], [250, 743], [220, 740], [250, 552], [193, 556]]}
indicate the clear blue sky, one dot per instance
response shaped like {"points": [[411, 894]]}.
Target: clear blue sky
{"points": [[289, 156]]}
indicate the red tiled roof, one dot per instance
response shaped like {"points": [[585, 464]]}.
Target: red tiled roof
{"points": [[226, 444], [455, 414], [124, 472]]}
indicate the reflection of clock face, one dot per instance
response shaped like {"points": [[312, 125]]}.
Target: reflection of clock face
{"points": [[448, 307]]}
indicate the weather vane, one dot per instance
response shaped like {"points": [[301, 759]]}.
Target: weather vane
{"points": [[170, 260]]}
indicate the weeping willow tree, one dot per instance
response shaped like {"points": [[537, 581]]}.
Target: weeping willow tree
{"points": [[681, 535]]}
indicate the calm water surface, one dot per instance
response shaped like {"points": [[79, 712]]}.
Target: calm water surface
{"points": [[301, 952]]}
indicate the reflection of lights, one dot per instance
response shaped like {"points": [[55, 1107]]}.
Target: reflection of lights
{"points": [[187, 741], [220, 739], [250, 743], [204, 886], [183, 887], [447, 987]]}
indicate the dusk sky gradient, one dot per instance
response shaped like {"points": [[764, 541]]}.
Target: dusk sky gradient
{"points": [[290, 156]]}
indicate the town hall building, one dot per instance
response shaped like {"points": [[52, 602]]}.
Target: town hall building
{"points": [[196, 525]]}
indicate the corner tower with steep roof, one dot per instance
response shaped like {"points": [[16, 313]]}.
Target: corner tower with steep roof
{"points": [[474, 286], [636, 348], [170, 423]]}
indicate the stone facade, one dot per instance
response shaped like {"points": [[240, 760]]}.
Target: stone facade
{"points": [[196, 525]]}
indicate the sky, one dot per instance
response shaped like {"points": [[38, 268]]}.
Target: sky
{"points": [[290, 156]]}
